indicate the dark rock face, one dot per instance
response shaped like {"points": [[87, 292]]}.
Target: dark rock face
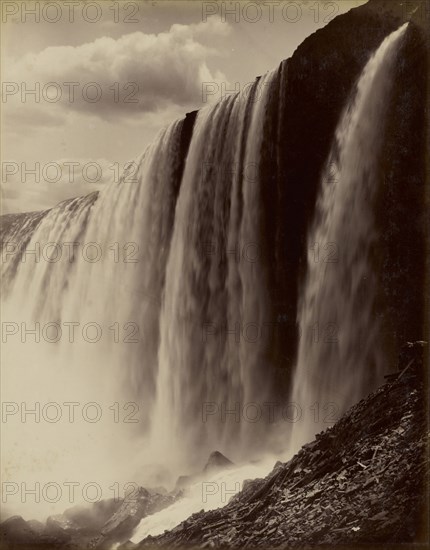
{"points": [[74, 529], [16, 529], [186, 135], [36, 526], [315, 85], [93, 517], [16, 533], [402, 208], [363, 481], [77, 526]]}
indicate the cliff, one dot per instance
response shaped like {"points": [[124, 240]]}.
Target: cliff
{"points": [[317, 82]]}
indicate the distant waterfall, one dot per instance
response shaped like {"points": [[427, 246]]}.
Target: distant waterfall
{"points": [[341, 355], [17, 230], [87, 286], [119, 277]]}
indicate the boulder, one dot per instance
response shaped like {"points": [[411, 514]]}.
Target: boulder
{"points": [[137, 505], [216, 462], [15, 531]]}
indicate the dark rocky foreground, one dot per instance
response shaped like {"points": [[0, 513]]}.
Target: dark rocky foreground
{"points": [[100, 525], [363, 481], [97, 527]]}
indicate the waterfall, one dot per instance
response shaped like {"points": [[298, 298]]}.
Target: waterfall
{"points": [[208, 363], [156, 295], [149, 294], [88, 283], [120, 276], [341, 353]]}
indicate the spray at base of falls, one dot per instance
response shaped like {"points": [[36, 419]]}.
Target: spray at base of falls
{"points": [[208, 494], [98, 334]]}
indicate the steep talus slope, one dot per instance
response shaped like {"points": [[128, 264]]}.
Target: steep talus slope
{"points": [[365, 480]]}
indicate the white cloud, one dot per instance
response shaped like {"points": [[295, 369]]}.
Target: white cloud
{"points": [[134, 74]]}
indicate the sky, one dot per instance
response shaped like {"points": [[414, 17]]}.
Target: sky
{"points": [[87, 85]]}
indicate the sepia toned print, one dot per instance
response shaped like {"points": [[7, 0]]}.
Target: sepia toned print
{"points": [[214, 274]]}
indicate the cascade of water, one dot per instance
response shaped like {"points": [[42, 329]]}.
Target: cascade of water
{"points": [[340, 354], [178, 287], [174, 285], [212, 349], [17, 230], [91, 293], [339, 357]]}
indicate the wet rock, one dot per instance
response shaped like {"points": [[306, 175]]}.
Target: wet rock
{"points": [[216, 462], [92, 517], [137, 505], [15, 532], [36, 526]]}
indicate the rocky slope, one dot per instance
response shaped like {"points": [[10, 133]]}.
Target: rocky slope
{"points": [[365, 480]]}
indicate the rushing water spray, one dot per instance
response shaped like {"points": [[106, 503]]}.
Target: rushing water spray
{"points": [[340, 353], [156, 309]]}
